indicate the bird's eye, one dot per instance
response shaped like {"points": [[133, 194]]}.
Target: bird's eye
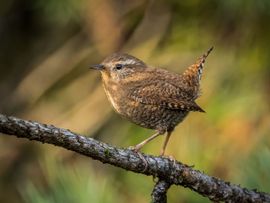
{"points": [[118, 66]]}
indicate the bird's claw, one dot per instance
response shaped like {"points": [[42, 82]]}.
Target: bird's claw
{"points": [[136, 150], [133, 148], [170, 157]]}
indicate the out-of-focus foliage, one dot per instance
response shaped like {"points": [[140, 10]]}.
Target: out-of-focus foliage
{"points": [[46, 49], [63, 179]]}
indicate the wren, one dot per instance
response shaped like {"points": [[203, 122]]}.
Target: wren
{"points": [[151, 97]]}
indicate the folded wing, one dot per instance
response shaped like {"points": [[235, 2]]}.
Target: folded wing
{"points": [[164, 94]]}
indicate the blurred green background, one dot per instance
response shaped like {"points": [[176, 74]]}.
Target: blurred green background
{"points": [[46, 49]]}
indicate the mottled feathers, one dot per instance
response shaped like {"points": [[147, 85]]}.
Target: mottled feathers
{"points": [[151, 97], [169, 90]]}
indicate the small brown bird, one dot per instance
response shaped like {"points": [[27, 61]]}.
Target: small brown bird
{"points": [[151, 97]]}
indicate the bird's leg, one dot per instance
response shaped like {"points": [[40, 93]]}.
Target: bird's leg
{"points": [[140, 145], [168, 135]]}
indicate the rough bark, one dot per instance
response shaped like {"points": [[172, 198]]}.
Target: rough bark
{"points": [[170, 172], [159, 193]]}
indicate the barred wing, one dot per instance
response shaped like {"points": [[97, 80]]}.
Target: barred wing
{"points": [[165, 94]]}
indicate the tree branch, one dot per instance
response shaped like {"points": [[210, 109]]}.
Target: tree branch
{"points": [[159, 193], [169, 171]]}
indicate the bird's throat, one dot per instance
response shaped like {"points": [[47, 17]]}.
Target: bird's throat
{"points": [[111, 91]]}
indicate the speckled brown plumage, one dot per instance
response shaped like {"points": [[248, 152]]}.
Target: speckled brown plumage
{"points": [[151, 97]]}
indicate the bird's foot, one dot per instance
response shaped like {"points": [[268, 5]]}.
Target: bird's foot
{"points": [[170, 157], [137, 150], [133, 148]]}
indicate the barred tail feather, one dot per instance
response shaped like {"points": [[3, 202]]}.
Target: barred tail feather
{"points": [[196, 69], [192, 75], [201, 61]]}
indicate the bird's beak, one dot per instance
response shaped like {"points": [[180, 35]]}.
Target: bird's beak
{"points": [[97, 67]]}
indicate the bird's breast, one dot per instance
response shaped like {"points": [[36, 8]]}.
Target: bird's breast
{"points": [[112, 93]]}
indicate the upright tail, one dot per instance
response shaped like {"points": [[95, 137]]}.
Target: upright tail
{"points": [[201, 61], [196, 69], [192, 75]]}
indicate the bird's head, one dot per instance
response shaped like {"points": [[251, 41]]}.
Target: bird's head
{"points": [[119, 66]]}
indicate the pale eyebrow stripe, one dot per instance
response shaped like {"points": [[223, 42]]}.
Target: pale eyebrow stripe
{"points": [[126, 62], [129, 61]]}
